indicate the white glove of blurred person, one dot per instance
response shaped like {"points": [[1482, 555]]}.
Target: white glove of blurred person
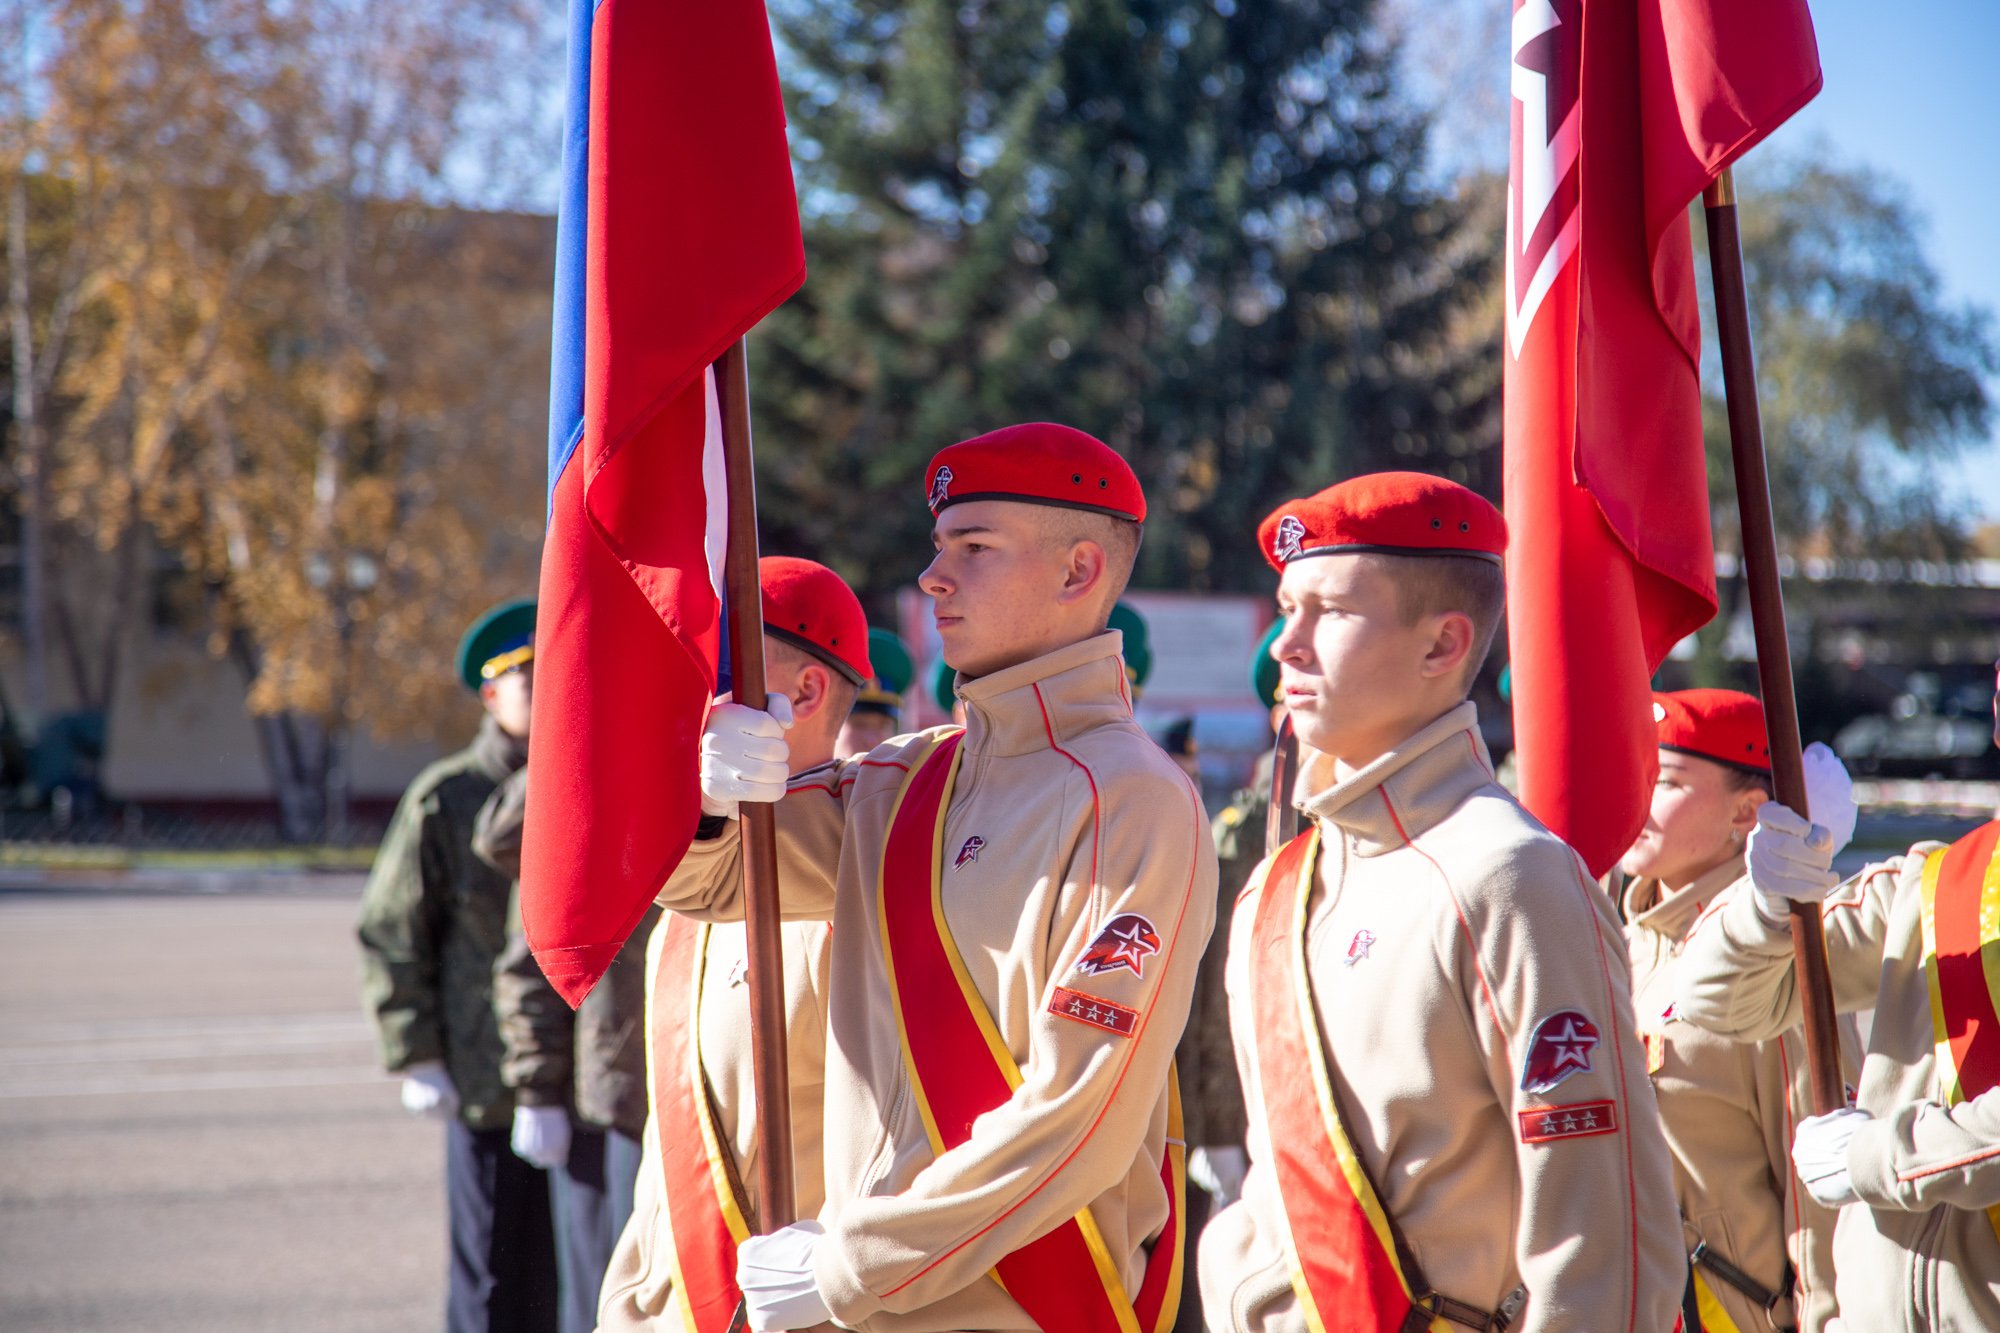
{"points": [[1219, 1171], [743, 754], [1819, 1151], [1830, 795], [427, 1090], [775, 1274], [541, 1136], [1790, 858]]}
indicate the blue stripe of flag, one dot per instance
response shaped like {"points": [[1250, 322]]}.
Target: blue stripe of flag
{"points": [[572, 236]]}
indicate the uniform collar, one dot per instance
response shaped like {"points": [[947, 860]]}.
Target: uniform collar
{"points": [[1404, 793], [497, 753], [1049, 699], [1673, 914]]}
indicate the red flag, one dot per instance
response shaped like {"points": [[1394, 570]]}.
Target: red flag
{"points": [[679, 230], [1623, 112]]}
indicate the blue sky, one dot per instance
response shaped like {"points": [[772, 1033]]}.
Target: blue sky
{"points": [[1912, 90]]}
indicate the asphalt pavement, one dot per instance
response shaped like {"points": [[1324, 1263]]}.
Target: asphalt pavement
{"points": [[194, 1134]]}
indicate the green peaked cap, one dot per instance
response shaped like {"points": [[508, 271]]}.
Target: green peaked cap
{"points": [[504, 630], [893, 673]]}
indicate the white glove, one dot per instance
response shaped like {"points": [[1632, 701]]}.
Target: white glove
{"points": [[743, 755], [1789, 857], [427, 1090], [1830, 795], [1819, 1151], [541, 1136], [775, 1274], [1220, 1172]]}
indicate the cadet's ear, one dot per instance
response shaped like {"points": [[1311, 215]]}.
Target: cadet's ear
{"points": [[1451, 645], [1083, 572], [810, 694], [1744, 817]]}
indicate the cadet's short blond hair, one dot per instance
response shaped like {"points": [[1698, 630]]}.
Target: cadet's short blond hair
{"points": [[1430, 585], [1064, 527]]}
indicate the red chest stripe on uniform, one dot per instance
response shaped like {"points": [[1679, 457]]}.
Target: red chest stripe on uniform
{"points": [[705, 1217], [1961, 938], [1579, 1120], [1344, 1266], [960, 1068], [1964, 988]]}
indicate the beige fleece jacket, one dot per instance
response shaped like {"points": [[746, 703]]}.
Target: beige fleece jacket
{"points": [[1728, 1109], [638, 1283], [1918, 1251], [1080, 819], [1447, 926]]}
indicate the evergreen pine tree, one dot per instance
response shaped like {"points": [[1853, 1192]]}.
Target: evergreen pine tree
{"points": [[1197, 228]]}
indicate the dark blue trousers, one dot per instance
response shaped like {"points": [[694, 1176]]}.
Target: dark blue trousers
{"points": [[591, 1197], [503, 1253]]}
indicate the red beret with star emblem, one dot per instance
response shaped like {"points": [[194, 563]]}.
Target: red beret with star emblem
{"points": [[1726, 726], [810, 607], [1037, 463], [1393, 513]]}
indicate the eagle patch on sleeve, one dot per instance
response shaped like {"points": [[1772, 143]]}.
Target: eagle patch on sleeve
{"points": [[1126, 941]]}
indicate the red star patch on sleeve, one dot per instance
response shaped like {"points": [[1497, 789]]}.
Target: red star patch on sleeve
{"points": [[1094, 1012]]}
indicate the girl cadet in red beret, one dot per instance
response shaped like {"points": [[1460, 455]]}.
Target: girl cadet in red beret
{"points": [[1761, 1248]]}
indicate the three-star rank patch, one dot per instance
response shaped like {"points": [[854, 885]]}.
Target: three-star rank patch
{"points": [[1094, 1011], [1580, 1120]]}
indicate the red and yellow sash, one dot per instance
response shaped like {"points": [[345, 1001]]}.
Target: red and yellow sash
{"points": [[702, 1203], [1067, 1281], [1344, 1261], [1962, 964]]}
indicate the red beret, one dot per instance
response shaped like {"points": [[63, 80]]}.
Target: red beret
{"points": [[1396, 513], [1038, 463], [1726, 726], [810, 607]]}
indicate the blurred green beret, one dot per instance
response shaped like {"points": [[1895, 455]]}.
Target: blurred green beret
{"points": [[1264, 669], [1138, 644]]}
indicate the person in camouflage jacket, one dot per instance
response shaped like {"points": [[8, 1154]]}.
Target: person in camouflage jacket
{"points": [[578, 1078], [433, 922]]}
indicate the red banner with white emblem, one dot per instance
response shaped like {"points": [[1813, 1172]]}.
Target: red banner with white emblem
{"points": [[1622, 114]]}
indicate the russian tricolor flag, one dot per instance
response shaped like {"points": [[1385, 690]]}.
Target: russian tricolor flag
{"points": [[679, 230]]}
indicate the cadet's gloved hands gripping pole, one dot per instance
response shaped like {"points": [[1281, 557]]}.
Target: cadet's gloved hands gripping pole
{"points": [[1791, 861]]}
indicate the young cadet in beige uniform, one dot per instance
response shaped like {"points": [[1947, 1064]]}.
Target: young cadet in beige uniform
{"points": [[1915, 1170], [1728, 1107], [674, 1267], [1018, 913], [1450, 1123]]}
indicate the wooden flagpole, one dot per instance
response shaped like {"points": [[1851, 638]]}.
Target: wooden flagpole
{"points": [[1767, 617], [777, 1200], [1281, 817]]}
